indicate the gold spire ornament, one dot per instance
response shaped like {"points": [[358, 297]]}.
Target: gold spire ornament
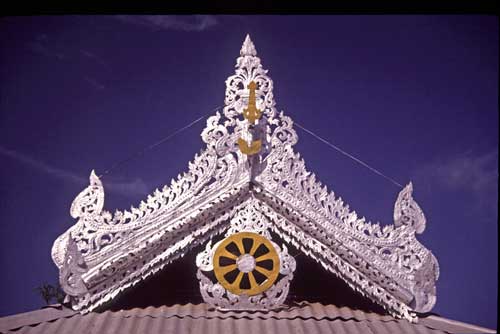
{"points": [[250, 267], [251, 114], [251, 149]]}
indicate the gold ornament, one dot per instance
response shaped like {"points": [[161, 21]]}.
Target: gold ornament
{"points": [[251, 149], [251, 113], [255, 264]]}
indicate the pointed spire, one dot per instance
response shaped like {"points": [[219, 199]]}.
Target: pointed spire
{"points": [[94, 179], [248, 49]]}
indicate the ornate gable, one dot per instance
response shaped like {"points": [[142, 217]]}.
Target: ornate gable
{"points": [[246, 182]]}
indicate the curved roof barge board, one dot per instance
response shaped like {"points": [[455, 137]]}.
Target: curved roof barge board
{"points": [[104, 254], [115, 252]]}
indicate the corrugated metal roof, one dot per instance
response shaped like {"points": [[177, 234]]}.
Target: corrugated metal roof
{"points": [[301, 318]]}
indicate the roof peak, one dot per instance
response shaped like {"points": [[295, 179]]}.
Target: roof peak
{"points": [[248, 48], [105, 253]]}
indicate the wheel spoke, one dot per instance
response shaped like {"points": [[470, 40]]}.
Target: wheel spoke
{"points": [[263, 271], [238, 279], [239, 243], [266, 256], [228, 254], [256, 244], [253, 282], [226, 269]]}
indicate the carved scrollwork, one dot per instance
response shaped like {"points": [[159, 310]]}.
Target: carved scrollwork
{"points": [[394, 254], [90, 201], [217, 137], [222, 132], [284, 133], [226, 191], [70, 276], [215, 294], [249, 218], [287, 262], [424, 287], [407, 212], [204, 258]]}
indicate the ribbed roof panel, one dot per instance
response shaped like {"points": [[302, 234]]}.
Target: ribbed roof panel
{"points": [[301, 318]]}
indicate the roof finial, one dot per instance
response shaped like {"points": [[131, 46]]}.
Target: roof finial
{"points": [[248, 49]]}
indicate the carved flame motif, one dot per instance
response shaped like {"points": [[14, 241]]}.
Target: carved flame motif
{"points": [[407, 211], [90, 201]]}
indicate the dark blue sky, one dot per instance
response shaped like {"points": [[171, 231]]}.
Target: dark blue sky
{"points": [[414, 96]]}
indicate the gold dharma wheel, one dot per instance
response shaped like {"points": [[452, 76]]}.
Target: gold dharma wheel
{"points": [[246, 263]]}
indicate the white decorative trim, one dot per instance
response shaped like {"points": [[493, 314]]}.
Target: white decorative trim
{"points": [[408, 212], [395, 256], [248, 218], [104, 253]]}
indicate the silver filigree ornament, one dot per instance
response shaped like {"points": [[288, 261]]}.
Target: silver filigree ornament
{"points": [[225, 191], [247, 219]]}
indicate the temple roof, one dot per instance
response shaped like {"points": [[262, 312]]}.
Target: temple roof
{"points": [[248, 177]]}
